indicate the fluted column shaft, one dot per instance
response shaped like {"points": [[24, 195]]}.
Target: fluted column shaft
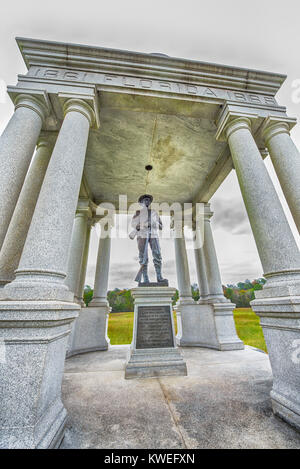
{"points": [[274, 240], [17, 145], [214, 282], [79, 294], [286, 161], [78, 241], [102, 271], [43, 263], [182, 267], [18, 228]]}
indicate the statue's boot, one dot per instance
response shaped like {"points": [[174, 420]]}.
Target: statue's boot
{"points": [[145, 274], [158, 274]]}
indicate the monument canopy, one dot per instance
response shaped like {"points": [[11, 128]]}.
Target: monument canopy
{"points": [[153, 110]]}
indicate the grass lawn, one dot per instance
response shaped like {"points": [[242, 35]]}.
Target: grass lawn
{"points": [[248, 328], [120, 327]]}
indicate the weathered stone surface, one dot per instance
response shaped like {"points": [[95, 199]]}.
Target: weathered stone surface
{"points": [[79, 295], [201, 271], [15, 237], [280, 321], [182, 268], [274, 239], [223, 403], [153, 349], [207, 325], [43, 263], [286, 160], [278, 303], [34, 338], [77, 245], [16, 149], [189, 164], [163, 283], [89, 331], [102, 272], [139, 93], [215, 290]]}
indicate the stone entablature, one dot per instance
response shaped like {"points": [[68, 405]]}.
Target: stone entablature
{"points": [[116, 82], [49, 54]]}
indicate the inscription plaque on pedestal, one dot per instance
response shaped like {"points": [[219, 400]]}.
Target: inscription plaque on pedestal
{"points": [[153, 350], [154, 327]]}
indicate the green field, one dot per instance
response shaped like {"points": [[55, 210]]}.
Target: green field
{"points": [[248, 328], [247, 324]]}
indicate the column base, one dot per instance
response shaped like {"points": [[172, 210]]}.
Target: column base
{"points": [[285, 409], [28, 289], [207, 325], [89, 332], [280, 321], [33, 340]]}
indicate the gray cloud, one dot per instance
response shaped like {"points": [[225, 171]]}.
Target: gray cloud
{"points": [[231, 215]]}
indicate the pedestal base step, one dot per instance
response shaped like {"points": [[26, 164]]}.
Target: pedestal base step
{"points": [[147, 363], [163, 283]]}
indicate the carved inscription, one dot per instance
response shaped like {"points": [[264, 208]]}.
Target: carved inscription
{"points": [[111, 80], [154, 327]]}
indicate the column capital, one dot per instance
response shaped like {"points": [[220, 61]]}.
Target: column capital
{"points": [[207, 212], [45, 141], [276, 125], [82, 103], [36, 100], [232, 119], [83, 208]]}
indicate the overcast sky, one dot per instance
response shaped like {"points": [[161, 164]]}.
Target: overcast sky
{"points": [[261, 34]]}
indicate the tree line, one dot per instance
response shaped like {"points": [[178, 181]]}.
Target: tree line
{"points": [[240, 294]]}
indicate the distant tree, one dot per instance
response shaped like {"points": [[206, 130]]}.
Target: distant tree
{"points": [[175, 297], [120, 300], [240, 294], [195, 292], [243, 292], [87, 294]]}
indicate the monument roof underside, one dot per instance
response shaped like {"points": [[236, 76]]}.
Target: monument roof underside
{"points": [[154, 110]]}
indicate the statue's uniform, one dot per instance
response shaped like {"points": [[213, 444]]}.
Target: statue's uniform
{"points": [[147, 222]]}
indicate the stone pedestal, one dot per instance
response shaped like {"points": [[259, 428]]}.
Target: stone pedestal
{"points": [[153, 349], [280, 322], [33, 337], [207, 325], [89, 331]]}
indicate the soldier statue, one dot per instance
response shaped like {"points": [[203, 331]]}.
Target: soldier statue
{"points": [[146, 224]]}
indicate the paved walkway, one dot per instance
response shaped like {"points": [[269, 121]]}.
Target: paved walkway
{"points": [[222, 403]]}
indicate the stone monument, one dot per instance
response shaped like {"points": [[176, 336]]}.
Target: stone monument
{"points": [[153, 349], [193, 122]]}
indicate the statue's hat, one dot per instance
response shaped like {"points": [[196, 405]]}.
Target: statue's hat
{"points": [[142, 197]]}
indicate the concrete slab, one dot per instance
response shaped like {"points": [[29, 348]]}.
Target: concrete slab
{"points": [[223, 403]]}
